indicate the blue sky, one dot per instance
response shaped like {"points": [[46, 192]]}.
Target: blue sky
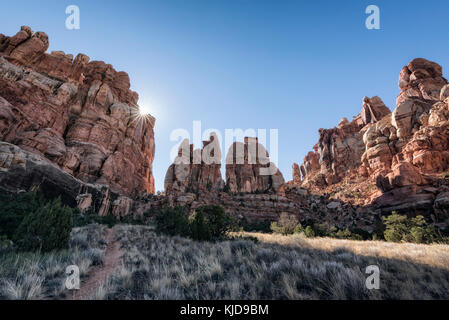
{"points": [[296, 66]]}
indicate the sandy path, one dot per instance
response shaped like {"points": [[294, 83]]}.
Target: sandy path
{"points": [[99, 274]]}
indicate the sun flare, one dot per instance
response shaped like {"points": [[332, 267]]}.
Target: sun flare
{"points": [[144, 110], [141, 115]]}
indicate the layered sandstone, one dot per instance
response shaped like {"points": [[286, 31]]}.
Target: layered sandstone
{"points": [[341, 148], [21, 171], [195, 170], [249, 169], [391, 161], [79, 115]]}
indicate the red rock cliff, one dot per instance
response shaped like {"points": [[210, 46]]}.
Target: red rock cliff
{"points": [[80, 115], [398, 160]]}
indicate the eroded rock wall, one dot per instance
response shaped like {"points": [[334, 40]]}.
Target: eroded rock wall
{"points": [[390, 161], [80, 115]]}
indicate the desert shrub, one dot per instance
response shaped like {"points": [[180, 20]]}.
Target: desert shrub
{"points": [[259, 226], [308, 231], [81, 219], [14, 208], [400, 228], [207, 223], [210, 223], [298, 229], [173, 221], [347, 234], [199, 228], [321, 229], [46, 228], [287, 224], [421, 232], [396, 227]]}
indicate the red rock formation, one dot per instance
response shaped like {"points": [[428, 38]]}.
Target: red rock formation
{"points": [[80, 115], [196, 170], [23, 170], [248, 168], [296, 173], [403, 153], [340, 149], [421, 79]]}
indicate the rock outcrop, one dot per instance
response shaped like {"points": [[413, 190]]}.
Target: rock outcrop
{"points": [[249, 169], [22, 170], [341, 148], [196, 170], [79, 115], [390, 161]]}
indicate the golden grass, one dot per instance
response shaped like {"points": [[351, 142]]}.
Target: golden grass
{"points": [[432, 255], [276, 267]]}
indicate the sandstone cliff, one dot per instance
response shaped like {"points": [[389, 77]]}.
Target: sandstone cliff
{"points": [[391, 161], [79, 115]]}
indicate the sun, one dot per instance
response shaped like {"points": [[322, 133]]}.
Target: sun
{"points": [[141, 114], [144, 110]]}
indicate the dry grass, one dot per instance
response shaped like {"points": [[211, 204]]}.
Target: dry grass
{"points": [[434, 255], [31, 276], [278, 267]]}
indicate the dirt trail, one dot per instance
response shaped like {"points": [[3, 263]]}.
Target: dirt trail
{"points": [[99, 274]]}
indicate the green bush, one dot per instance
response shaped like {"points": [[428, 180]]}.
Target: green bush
{"points": [[45, 229], [211, 222], [287, 224], [421, 232], [308, 231], [206, 224], [400, 228], [14, 208], [347, 234], [299, 229], [199, 228], [173, 221], [259, 226]]}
